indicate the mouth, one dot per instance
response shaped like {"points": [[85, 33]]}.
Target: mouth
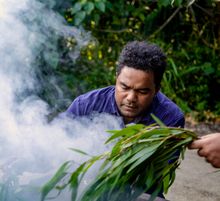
{"points": [[130, 107]]}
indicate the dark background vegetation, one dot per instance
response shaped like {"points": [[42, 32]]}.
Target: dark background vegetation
{"points": [[188, 32]]}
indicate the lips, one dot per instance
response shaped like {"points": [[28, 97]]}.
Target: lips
{"points": [[129, 107]]}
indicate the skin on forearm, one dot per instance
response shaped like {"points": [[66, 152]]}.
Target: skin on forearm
{"points": [[209, 147]]}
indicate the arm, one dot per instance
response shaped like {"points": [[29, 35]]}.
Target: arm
{"points": [[174, 120], [179, 123], [72, 111], [209, 147], [75, 108]]}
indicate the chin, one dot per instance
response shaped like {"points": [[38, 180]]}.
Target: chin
{"points": [[129, 115]]}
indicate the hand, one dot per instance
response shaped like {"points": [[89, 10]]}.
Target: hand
{"points": [[209, 147]]}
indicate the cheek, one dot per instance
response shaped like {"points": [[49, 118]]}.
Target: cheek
{"points": [[118, 96], [145, 101], [121, 96]]}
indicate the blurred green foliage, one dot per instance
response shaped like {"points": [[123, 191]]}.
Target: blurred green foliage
{"points": [[188, 31]]}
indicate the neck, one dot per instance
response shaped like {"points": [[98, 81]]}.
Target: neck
{"points": [[128, 120]]}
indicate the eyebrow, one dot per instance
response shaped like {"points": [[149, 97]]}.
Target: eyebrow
{"points": [[140, 89]]}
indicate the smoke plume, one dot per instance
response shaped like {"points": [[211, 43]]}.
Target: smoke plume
{"points": [[31, 148]]}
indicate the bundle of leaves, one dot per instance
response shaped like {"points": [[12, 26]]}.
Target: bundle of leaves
{"points": [[143, 158]]}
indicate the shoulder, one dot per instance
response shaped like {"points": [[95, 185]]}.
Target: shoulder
{"points": [[165, 103], [90, 101], [97, 93], [168, 111]]}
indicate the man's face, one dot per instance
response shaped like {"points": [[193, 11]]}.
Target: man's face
{"points": [[134, 92]]}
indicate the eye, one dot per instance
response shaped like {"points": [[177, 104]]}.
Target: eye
{"points": [[144, 91], [124, 87]]}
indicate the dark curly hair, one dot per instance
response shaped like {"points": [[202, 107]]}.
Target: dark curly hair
{"points": [[143, 56]]}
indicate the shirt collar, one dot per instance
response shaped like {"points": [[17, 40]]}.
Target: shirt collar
{"points": [[114, 108]]}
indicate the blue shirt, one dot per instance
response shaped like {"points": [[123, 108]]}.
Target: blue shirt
{"points": [[103, 101]]}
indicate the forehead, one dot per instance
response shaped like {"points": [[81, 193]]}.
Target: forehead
{"points": [[136, 78]]}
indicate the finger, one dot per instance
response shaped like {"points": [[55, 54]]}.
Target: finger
{"points": [[213, 160], [201, 152], [197, 144], [209, 135], [214, 163], [206, 136]]}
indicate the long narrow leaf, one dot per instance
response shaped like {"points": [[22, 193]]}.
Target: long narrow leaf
{"points": [[141, 158], [61, 172]]}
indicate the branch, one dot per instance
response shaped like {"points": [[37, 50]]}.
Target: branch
{"points": [[166, 22], [119, 31], [200, 32], [112, 31], [204, 10], [208, 44]]}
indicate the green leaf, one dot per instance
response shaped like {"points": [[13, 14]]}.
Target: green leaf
{"points": [[145, 154], [100, 5], [166, 182], [172, 177], [61, 172], [79, 17], [79, 173], [116, 150], [150, 175], [183, 142], [155, 133], [140, 159], [208, 68], [89, 7], [76, 8], [79, 151], [96, 18], [156, 192], [179, 2], [158, 120], [122, 159], [165, 2], [115, 181], [141, 16], [128, 131], [74, 181], [174, 67]]}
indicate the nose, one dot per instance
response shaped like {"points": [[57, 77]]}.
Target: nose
{"points": [[131, 96]]}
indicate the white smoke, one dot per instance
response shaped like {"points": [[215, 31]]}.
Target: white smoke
{"points": [[31, 149]]}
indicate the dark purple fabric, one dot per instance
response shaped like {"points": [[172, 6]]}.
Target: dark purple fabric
{"points": [[103, 101]]}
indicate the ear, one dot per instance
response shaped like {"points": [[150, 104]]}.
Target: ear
{"points": [[117, 74]]}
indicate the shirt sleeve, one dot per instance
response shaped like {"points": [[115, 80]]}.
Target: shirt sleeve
{"points": [[167, 111], [75, 108], [175, 119], [180, 122]]}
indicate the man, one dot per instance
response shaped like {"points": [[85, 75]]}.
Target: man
{"points": [[209, 147], [136, 94]]}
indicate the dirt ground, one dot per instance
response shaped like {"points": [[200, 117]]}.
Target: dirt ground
{"points": [[196, 180]]}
